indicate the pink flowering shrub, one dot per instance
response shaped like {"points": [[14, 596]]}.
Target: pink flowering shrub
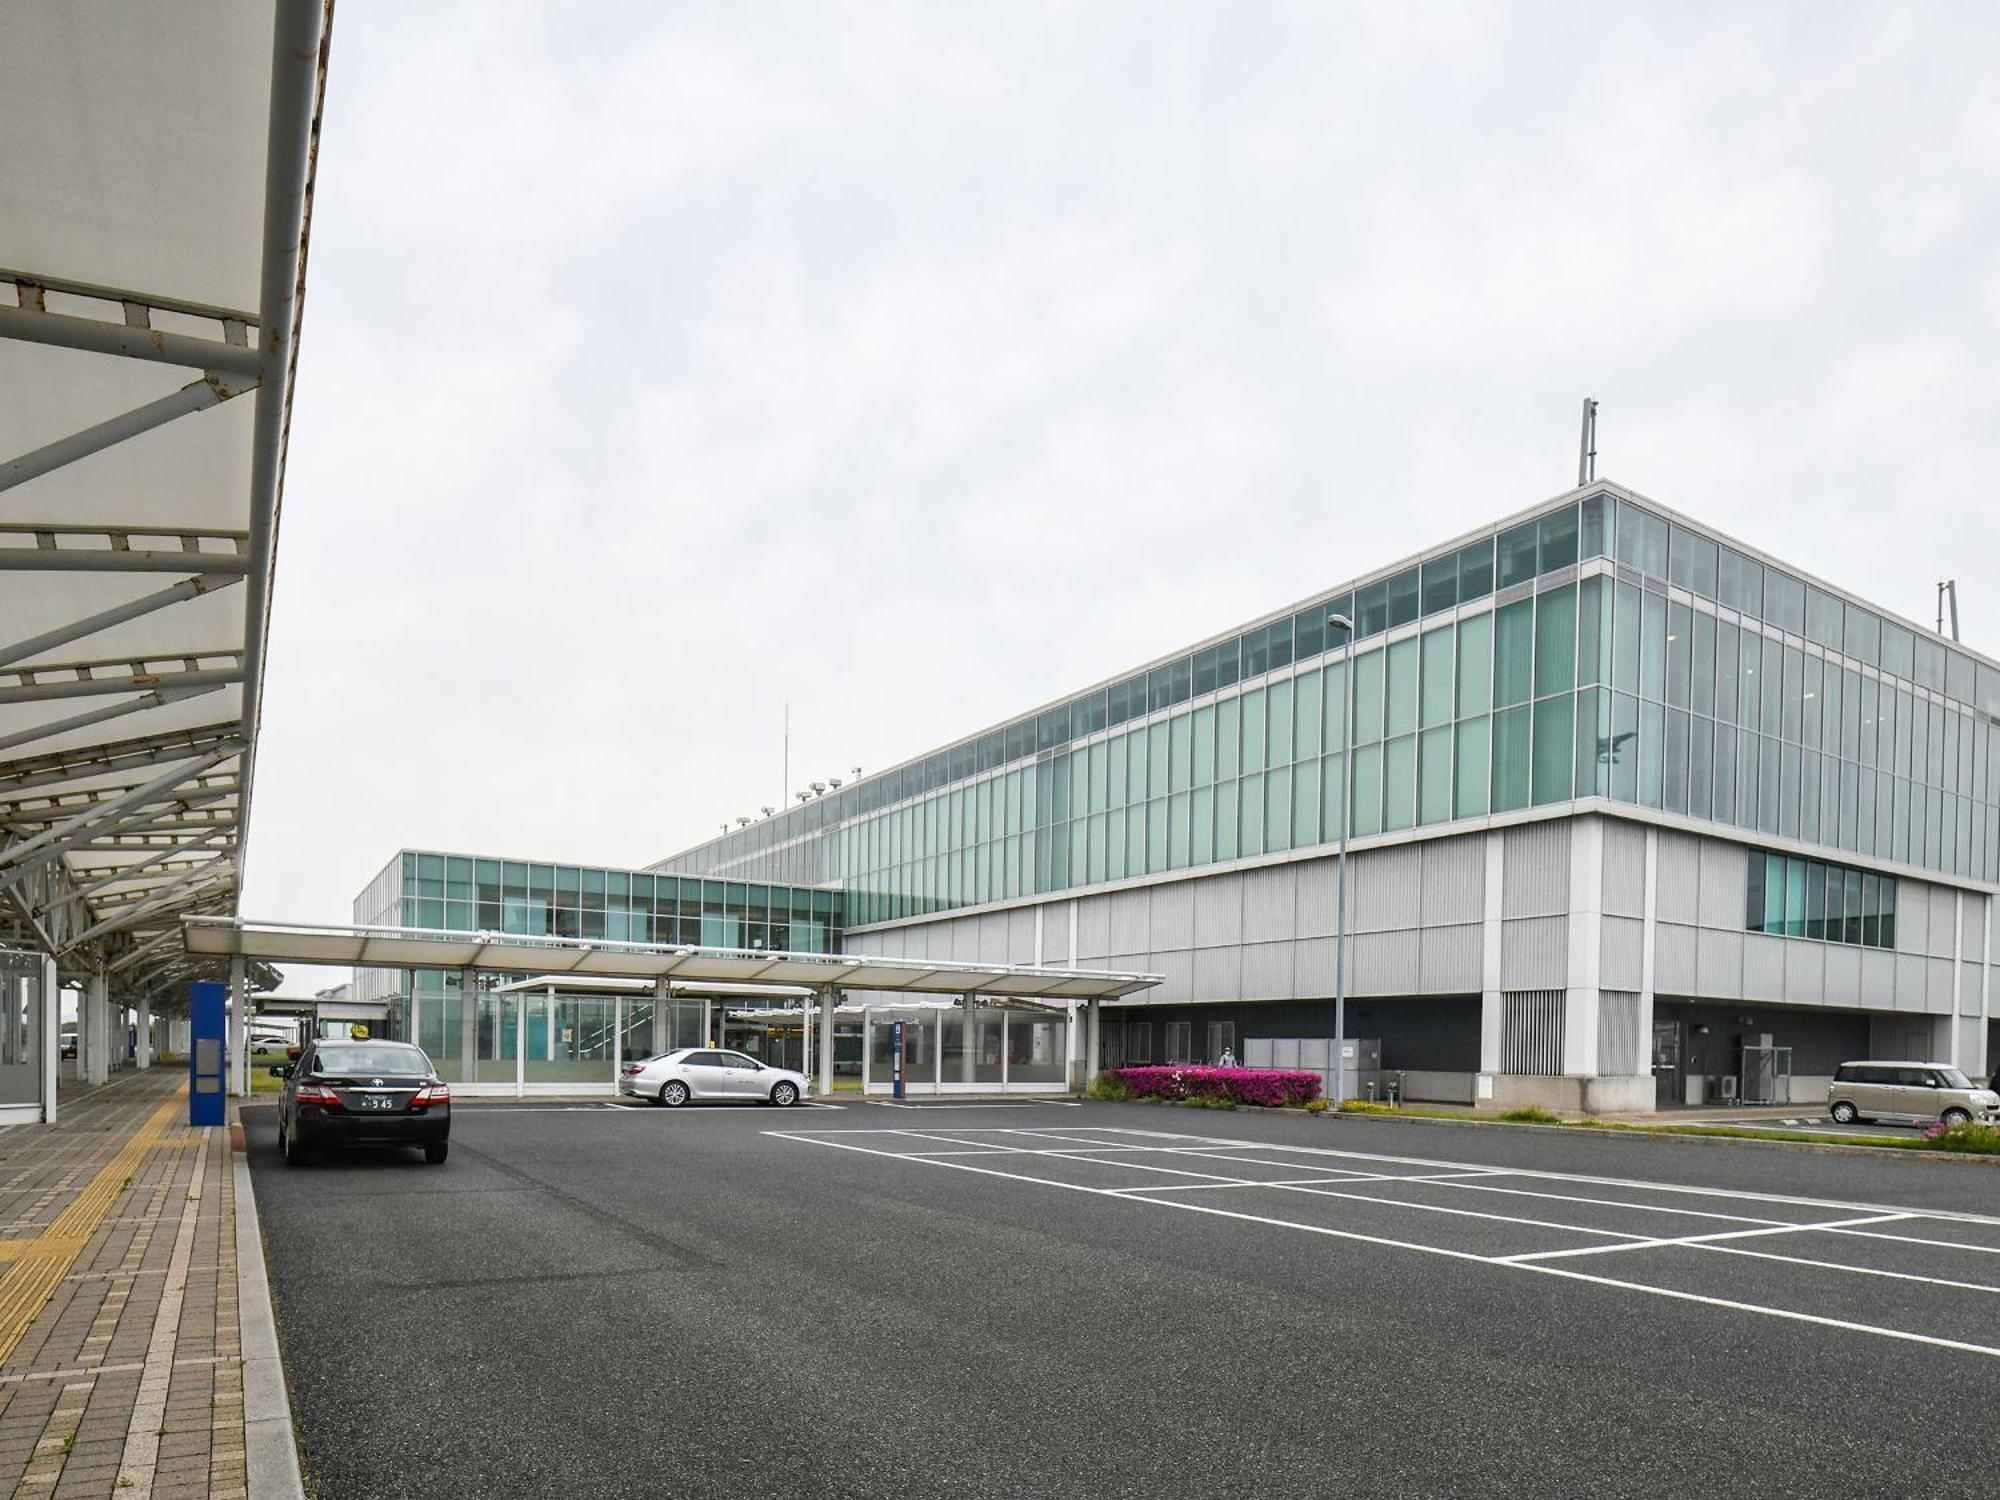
{"points": [[1274, 1087]]}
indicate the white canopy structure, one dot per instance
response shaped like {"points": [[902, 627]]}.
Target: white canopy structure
{"points": [[156, 175]]}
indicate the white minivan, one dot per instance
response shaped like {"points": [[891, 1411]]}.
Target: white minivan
{"points": [[1920, 1092]]}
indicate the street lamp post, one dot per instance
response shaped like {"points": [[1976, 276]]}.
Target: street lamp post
{"points": [[1340, 864]]}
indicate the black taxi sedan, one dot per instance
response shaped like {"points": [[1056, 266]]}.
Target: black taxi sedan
{"points": [[341, 1093]]}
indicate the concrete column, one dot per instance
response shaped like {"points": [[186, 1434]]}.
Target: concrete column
{"points": [[1093, 1036], [1581, 1004], [663, 1016], [468, 1024], [1643, 1063], [707, 1023], [145, 1027], [826, 1008], [51, 1038], [968, 1054], [1489, 982], [239, 1027], [98, 1004]]}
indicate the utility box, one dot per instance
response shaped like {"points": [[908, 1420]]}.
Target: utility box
{"points": [[208, 1055]]}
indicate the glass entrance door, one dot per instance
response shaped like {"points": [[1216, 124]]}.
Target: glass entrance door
{"points": [[1666, 1064]]}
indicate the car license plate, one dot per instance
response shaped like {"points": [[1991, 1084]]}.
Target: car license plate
{"points": [[375, 1101]]}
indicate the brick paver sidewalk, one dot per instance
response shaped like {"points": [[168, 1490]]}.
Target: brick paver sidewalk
{"points": [[121, 1370]]}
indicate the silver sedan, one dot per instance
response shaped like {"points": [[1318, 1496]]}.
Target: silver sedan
{"points": [[709, 1073]]}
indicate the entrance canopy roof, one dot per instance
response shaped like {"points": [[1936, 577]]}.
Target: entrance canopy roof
{"points": [[155, 197], [408, 948]]}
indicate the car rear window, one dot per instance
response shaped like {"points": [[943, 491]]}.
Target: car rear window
{"points": [[372, 1057]]}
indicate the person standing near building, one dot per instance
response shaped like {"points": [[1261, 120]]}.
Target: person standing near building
{"points": [[1228, 1058]]}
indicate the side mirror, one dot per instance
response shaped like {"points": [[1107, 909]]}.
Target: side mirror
{"points": [[279, 1070]]}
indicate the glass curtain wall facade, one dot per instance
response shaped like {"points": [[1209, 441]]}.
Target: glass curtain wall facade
{"points": [[1596, 649], [567, 1037]]}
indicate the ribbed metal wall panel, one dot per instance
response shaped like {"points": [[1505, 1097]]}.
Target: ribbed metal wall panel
{"points": [[1677, 885], [1842, 981], [1218, 911], [1673, 960], [1170, 917], [1617, 1034], [1805, 971], [1531, 1032], [1093, 928], [1268, 897], [1055, 933], [1383, 963], [1534, 953], [1315, 896], [1725, 876], [1448, 959], [1131, 927], [1763, 967], [1944, 919], [1621, 954], [1535, 882], [1021, 935], [1719, 964], [1218, 973], [1267, 971], [1177, 964], [1390, 894], [1913, 917], [1312, 968], [1454, 881], [965, 941], [1624, 868]]}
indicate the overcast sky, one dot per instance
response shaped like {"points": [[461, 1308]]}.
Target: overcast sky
{"points": [[915, 365]]}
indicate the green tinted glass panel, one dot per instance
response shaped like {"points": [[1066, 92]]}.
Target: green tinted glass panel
{"points": [[1204, 746], [1511, 736], [1331, 796], [1554, 746], [1367, 697], [1278, 810], [1367, 790], [1253, 730], [1278, 733], [1400, 694], [1250, 823], [1439, 652], [1555, 641], [1228, 731], [1399, 782], [1514, 653], [1305, 804], [1306, 717], [1470, 800], [1434, 776], [1475, 665]]}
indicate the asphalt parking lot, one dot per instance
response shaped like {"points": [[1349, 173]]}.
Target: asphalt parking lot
{"points": [[1121, 1300]]}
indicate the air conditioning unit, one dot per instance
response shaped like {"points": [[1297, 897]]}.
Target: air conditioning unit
{"points": [[1728, 1082]]}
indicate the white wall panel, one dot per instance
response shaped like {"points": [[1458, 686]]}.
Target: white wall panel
{"points": [[1170, 917], [1177, 964], [1218, 973], [1267, 971], [1218, 911], [1093, 927], [1938, 996], [1021, 935], [1913, 916], [1454, 880], [1388, 889], [1624, 868], [1673, 960], [1842, 982], [1131, 931], [1534, 953], [1972, 940], [1383, 963], [1268, 895], [1944, 919], [1718, 964], [1878, 979], [1055, 932], [1448, 959], [1679, 880], [1725, 879], [1316, 894], [1805, 971], [1763, 967], [1536, 878], [1621, 955], [1968, 988]]}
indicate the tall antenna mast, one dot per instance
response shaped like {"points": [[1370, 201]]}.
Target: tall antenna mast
{"points": [[1948, 589], [1586, 451]]}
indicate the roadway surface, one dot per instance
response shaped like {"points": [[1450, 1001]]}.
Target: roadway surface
{"points": [[1114, 1300]]}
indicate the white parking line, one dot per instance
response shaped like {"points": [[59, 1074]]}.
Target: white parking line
{"points": [[1535, 1263]]}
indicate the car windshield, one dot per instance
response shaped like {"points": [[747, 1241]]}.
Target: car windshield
{"points": [[372, 1057], [1953, 1079]]}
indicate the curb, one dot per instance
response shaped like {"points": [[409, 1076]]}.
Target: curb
{"points": [[271, 1456], [1823, 1148]]}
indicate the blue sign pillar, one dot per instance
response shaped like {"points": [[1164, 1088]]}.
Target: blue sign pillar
{"points": [[896, 1029], [208, 1053]]}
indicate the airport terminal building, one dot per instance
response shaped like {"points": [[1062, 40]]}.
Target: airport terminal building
{"points": [[1638, 815]]}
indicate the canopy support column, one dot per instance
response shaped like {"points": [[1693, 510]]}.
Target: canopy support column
{"points": [[143, 1051], [826, 1006], [239, 1028], [1093, 1059], [662, 1017]]}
